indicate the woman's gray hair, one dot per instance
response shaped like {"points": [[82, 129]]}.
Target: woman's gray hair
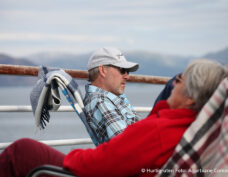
{"points": [[93, 73], [202, 77]]}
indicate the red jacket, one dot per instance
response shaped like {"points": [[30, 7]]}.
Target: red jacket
{"points": [[140, 150]]}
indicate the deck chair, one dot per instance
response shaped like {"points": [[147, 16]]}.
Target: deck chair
{"points": [[45, 97], [203, 149]]}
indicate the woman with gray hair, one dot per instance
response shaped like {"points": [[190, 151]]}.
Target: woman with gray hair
{"points": [[201, 78], [142, 148]]}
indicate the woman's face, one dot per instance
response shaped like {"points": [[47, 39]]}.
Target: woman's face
{"points": [[178, 99]]}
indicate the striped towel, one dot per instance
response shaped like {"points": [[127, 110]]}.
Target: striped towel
{"points": [[45, 96], [203, 149]]}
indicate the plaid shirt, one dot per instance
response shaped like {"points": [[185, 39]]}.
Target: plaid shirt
{"points": [[107, 114]]}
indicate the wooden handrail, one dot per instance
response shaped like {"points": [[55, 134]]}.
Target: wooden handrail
{"points": [[81, 74]]}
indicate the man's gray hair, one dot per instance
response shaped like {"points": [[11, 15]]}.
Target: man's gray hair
{"points": [[202, 77], [93, 73]]}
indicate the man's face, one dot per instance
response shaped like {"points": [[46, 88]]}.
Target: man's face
{"points": [[115, 80]]}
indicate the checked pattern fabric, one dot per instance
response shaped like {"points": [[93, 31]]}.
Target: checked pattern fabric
{"points": [[203, 149], [45, 96]]}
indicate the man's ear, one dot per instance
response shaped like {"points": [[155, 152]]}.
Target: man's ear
{"points": [[102, 71]]}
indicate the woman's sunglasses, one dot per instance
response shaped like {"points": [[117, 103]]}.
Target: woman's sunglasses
{"points": [[178, 78]]}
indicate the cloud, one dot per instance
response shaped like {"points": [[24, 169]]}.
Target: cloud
{"points": [[166, 25], [55, 37]]}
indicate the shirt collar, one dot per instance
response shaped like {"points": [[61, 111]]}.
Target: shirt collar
{"points": [[91, 88]]}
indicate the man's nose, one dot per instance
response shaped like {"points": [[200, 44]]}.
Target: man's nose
{"points": [[126, 75]]}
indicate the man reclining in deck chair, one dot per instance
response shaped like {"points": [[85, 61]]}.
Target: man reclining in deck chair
{"points": [[107, 111], [142, 147]]}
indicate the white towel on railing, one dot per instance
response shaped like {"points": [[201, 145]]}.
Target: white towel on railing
{"points": [[45, 96]]}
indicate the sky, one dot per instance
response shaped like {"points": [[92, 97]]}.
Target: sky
{"points": [[180, 27]]}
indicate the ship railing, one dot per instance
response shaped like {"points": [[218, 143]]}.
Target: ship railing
{"points": [[20, 70]]}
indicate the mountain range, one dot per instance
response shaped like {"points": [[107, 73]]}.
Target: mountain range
{"points": [[150, 63]]}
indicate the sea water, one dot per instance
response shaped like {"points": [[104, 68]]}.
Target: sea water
{"points": [[62, 125]]}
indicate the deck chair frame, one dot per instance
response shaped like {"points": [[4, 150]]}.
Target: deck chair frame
{"points": [[50, 170]]}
